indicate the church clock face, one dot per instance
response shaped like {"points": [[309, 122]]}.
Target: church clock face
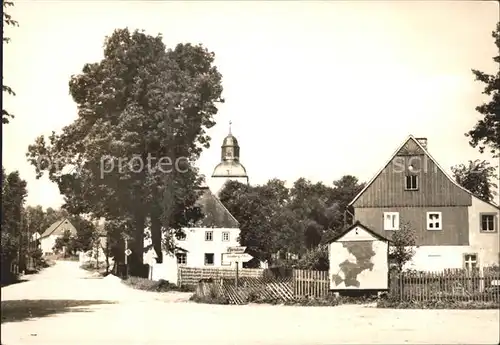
{"points": [[229, 153]]}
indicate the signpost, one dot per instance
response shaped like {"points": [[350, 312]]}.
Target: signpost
{"points": [[236, 250], [127, 253], [237, 255]]}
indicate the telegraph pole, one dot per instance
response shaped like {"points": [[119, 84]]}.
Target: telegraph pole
{"points": [[20, 239]]}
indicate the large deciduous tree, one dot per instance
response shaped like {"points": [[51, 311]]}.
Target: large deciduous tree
{"points": [[486, 132], [7, 21], [478, 177], [13, 197], [51, 216], [143, 112], [289, 222], [35, 219]]}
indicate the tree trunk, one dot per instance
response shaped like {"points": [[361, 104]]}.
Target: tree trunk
{"points": [[136, 245], [156, 236]]}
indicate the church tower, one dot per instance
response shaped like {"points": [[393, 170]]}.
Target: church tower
{"points": [[230, 167]]}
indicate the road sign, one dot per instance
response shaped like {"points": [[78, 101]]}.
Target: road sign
{"points": [[128, 252], [236, 250], [243, 257]]}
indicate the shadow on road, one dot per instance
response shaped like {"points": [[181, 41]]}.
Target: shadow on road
{"points": [[4, 284], [20, 310]]}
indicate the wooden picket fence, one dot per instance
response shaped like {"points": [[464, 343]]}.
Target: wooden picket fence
{"points": [[311, 283], [267, 286], [190, 276], [451, 284], [255, 289]]}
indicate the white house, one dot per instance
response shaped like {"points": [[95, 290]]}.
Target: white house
{"points": [[56, 230], [203, 245]]}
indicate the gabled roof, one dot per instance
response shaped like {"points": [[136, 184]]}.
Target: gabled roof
{"points": [[411, 137], [350, 227], [58, 228], [216, 214]]}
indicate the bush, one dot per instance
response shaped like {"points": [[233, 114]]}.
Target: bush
{"points": [[154, 286], [209, 299], [314, 259], [436, 304], [212, 298], [327, 301], [45, 262]]}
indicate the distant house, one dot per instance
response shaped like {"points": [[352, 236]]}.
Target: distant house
{"points": [[204, 244], [454, 229], [56, 230]]}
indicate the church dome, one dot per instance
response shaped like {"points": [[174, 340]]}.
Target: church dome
{"points": [[230, 165], [230, 169], [230, 140]]}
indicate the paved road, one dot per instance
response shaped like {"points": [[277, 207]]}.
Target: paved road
{"points": [[77, 310]]}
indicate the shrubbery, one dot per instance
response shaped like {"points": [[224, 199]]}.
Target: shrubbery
{"points": [[212, 298], [155, 286], [437, 304]]}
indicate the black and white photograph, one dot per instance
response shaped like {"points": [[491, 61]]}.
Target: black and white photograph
{"points": [[250, 172]]}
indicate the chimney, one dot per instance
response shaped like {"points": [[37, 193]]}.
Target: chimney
{"points": [[423, 142]]}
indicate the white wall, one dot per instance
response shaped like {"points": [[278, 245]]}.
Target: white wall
{"points": [[196, 246], [47, 243], [485, 245], [167, 270], [437, 258]]}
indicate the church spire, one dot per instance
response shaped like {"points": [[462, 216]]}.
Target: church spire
{"points": [[230, 127]]}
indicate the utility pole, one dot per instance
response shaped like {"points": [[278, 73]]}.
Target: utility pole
{"points": [[20, 239], [28, 239], [107, 253]]}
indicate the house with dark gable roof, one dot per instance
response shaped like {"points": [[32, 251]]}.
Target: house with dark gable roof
{"points": [[56, 230], [203, 244], [454, 228]]}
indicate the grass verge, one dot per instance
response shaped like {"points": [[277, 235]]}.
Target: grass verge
{"points": [[438, 304], [155, 286]]}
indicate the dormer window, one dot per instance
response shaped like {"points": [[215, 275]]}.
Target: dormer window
{"points": [[411, 182]]}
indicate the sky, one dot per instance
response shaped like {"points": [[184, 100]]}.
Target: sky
{"points": [[313, 89]]}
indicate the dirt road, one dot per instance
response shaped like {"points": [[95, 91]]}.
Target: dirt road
{"points": [[67, 307]]}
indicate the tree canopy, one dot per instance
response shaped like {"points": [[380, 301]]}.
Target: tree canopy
{"points": [[280, 223], [7, 21], [478, 177], [143, 112], [486, 132], [14, 194]]}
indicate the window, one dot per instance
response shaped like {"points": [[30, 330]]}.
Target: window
{"points": [[488, 223], [181, 237], [411, 182], [434, 221], [224, 262], [209, 235], [391, 221], [209, 259], [181, 258], [225, 236], [470, 261]]}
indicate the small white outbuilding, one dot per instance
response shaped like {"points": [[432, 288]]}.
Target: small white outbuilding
{"points": [[359, 260]]}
